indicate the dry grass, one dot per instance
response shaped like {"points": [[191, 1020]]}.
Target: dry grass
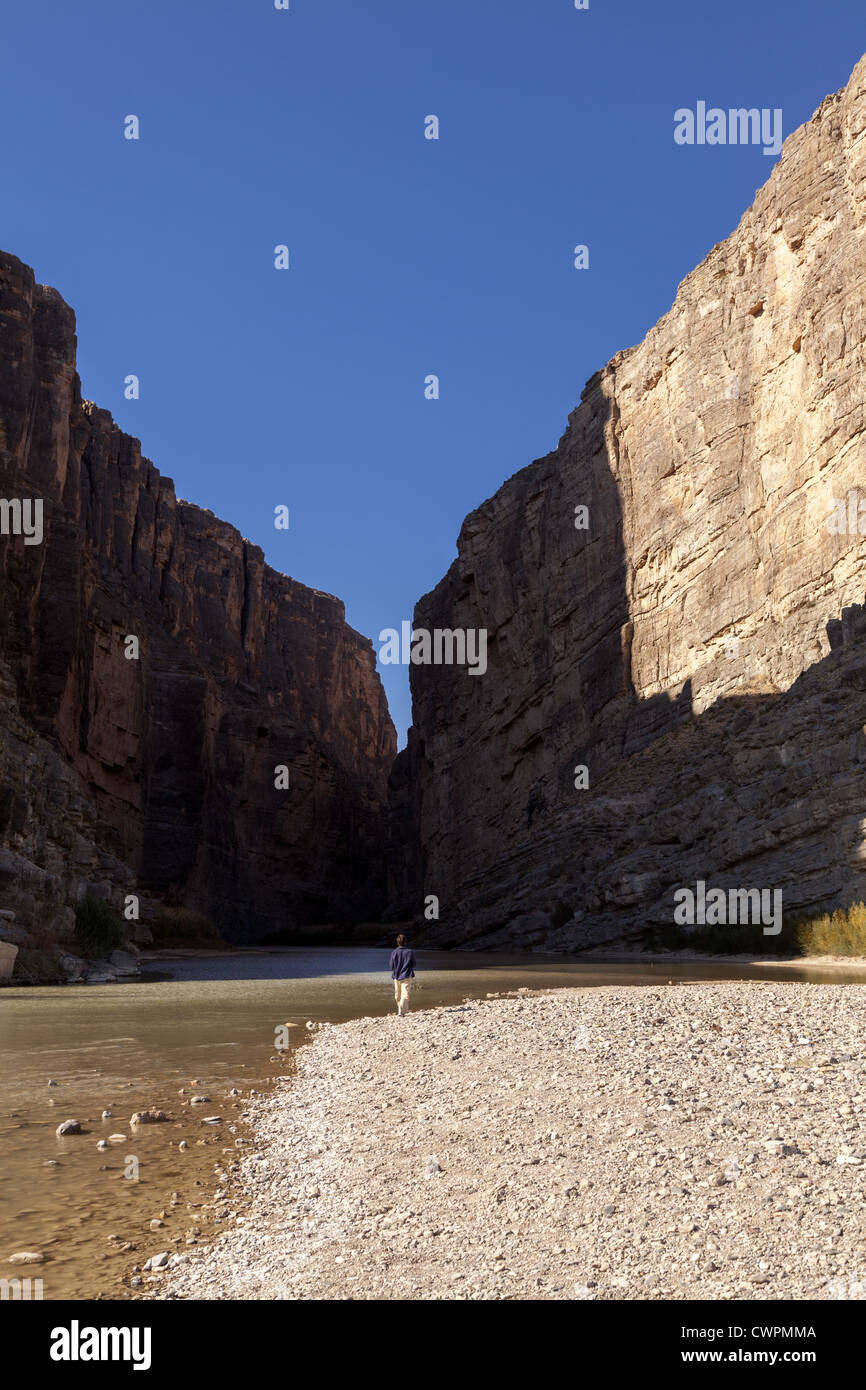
{"points": [[839, 933]]}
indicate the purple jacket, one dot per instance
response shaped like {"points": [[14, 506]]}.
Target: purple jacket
{"points": [[403, 963]]}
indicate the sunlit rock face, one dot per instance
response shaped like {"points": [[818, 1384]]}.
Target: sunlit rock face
{"points": [[674, 639]]}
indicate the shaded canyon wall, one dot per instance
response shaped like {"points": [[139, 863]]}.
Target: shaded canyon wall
{"points": [[156, 775]]}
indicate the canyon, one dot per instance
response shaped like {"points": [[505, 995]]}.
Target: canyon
{"points": [[155, 777], [664, 602], [698, 645]]}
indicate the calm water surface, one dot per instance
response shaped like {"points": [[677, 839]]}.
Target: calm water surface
{"points": [[204, 1025]]}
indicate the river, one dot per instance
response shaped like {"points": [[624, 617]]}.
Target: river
{"points": [[204, 1026]]}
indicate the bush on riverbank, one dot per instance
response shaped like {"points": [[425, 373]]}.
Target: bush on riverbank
{"points": [[839, 933], [98, 929], [37, 966], [178, 926]]}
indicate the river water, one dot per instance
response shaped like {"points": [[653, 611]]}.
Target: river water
{"points": [[200, 1026]]}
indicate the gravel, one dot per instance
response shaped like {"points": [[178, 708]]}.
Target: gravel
{"points": [[699, 1141]]}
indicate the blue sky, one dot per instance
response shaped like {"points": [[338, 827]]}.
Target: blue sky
{"points": [[408, 256]]}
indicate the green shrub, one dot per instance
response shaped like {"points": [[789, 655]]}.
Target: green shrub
{"points": [[98, 929], [35, 966], [179, 926]]}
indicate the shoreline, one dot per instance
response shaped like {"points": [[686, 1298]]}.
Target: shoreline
{"points": [[708, 958], [687, 1141], [595, 955]]}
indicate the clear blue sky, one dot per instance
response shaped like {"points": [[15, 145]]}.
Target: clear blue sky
{"points": [[408, 256]]}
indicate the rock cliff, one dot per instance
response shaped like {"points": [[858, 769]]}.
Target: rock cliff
{"points": [[675, 683], [693, 640], [155, 774]]}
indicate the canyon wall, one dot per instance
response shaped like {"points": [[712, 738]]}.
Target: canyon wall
{"points": [[697, 645], [676, 666], [156, 775]]}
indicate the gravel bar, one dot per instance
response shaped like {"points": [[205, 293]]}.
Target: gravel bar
{"points": [[690, 1141]]}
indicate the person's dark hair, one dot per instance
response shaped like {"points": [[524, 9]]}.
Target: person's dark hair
{"points": [[401, 940]]}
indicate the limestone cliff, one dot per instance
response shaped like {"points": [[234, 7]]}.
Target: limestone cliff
{"points": [[156, 775], [678, 647]]}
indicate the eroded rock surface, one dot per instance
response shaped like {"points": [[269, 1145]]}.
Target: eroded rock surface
{"points": [[157, 775], [681, 648]]}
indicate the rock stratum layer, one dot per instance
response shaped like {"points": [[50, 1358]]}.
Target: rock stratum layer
{"points": [[699, 646], [157, 775]]}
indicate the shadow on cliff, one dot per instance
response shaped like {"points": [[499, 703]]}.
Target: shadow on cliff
{"points": [[486, 757], [173, 748], [760, 789]]}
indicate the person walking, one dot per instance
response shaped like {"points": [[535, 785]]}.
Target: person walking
{"points": [[402, 973]]}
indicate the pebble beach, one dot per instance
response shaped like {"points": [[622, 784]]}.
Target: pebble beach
{"points": [[702, 1141]]}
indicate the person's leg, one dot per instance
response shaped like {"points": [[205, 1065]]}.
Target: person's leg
{"points": [[397, 994], [404, 1000]]}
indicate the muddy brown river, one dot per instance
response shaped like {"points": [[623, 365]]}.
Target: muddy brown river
{"points": [[202, 1026]]}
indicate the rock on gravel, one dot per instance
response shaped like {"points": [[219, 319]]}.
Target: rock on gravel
{"points": [[612, 1143]]}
